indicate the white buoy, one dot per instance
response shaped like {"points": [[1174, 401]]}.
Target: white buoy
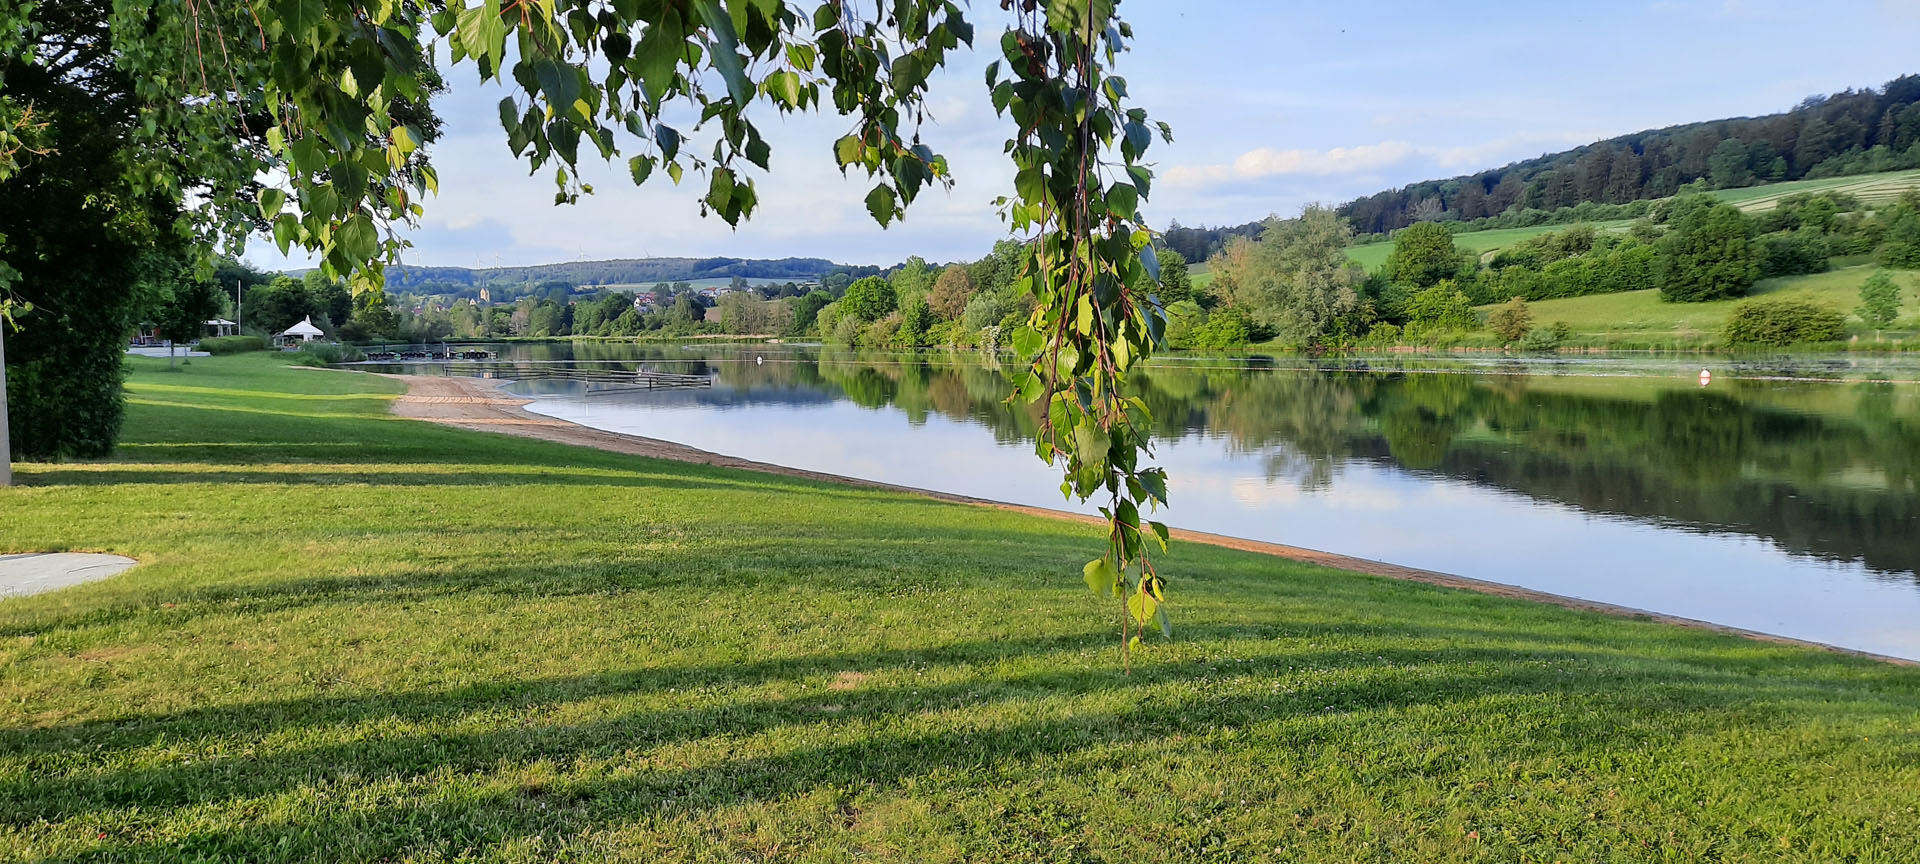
{"points": [[1706, 377], [758, 361]]}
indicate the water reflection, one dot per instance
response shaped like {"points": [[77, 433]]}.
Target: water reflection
{"points": [[1783, 504]]}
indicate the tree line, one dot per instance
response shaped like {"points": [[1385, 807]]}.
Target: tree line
{"points": [[1295, 282], [1292, 282], [1851, 132]]}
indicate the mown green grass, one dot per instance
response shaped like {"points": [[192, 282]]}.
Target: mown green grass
{"points": [[1642, 314], [359, 638]]}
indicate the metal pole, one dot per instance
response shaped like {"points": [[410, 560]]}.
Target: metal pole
{"points": [[239, 310], [6, 453]]}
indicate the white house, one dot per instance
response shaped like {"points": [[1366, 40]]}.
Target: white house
{"points": [[304, 331]]}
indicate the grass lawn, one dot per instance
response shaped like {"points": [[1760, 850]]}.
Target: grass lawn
{"points": [[1640, 314], [361, 638]]}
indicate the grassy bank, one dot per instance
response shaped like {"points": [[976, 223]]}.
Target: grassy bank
{"points": [[1641, 317], [357, 638]]}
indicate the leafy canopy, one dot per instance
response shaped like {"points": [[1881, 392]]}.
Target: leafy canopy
{"points": [[333, 90]]}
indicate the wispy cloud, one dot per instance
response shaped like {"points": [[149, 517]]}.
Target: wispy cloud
{"points": [[1371, 158]]}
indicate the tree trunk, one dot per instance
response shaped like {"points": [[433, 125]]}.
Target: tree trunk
{"points": [[6, 453]]}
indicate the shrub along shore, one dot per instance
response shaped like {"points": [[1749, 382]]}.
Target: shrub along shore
{"points": [[355, 636]]}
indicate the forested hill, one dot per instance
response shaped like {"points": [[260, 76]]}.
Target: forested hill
{"points": [[1852, 132], [622, 271]]}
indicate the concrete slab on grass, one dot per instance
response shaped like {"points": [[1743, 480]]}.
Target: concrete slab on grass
{"points": [[35, 572]]}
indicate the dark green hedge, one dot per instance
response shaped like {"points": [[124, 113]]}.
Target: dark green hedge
{"points": [[232, 344], [1778, 323]]}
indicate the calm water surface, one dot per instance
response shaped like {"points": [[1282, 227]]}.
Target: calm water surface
{"points": [[1784, 497]]}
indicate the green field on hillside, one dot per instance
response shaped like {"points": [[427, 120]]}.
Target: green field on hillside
{"points": [[1642, 313], [1374, 255], [360, 638], [1869, 188]]}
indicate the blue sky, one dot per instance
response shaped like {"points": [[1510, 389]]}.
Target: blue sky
{"points": [[1274, 105]]}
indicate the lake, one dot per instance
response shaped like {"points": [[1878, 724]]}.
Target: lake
{"points": [[1783, 497]]}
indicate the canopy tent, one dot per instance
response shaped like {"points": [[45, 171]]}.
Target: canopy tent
{"points": [[302, 332], [222, 327]]}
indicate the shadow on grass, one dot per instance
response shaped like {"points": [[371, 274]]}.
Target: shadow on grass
{"points": [[723, 559], [612, 776]]}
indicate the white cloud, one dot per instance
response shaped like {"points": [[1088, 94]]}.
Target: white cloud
{"points": [[1372, 158]]}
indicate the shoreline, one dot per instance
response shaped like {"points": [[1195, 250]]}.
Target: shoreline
{"points": [[479, 404]]}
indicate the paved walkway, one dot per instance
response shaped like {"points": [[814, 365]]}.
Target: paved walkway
{"points": [[33, 573]]}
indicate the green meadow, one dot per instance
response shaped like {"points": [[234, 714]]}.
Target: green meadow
{"points": [[354, 637], [1641, 315], [1374, 255], [1873, 189]]}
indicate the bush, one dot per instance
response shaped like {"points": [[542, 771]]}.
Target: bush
{"points": [[1792, 253], [1183, 318], [326, 354], [220, 345], [982, 311], [1511, 321], [1224, 329], [1546, 338], [1779, 323], [1439, 308], [1383, 334]]}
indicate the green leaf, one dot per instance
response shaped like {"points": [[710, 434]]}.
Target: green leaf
{"points": [[1142, 178], [1122, 202], [1100, 575], [726, 50], [757, 151], [1142, 607], [657, 57], [271, 200], [785, 86], [641, 167], [847, 150], [509, 115], [1150, 261], [286, 232], [881, 202], [358, 238], [669, 140], [559, 82], [1090, 442], [1027, 341], [720, 190]]}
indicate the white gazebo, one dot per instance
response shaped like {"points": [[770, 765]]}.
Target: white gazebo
{"points": [[222, 327], [302, 332]]}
